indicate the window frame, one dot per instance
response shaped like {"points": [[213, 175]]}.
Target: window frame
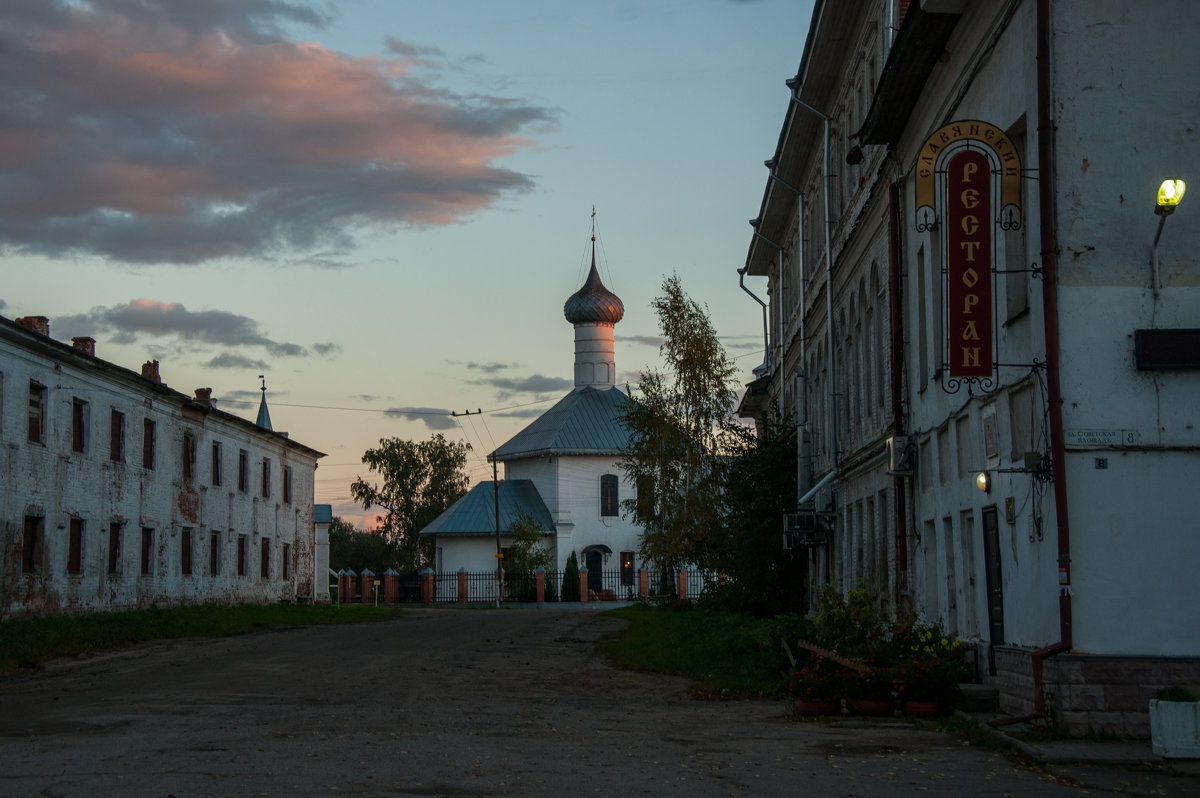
{"points": [[610, 496], [75, 534], [115, 529], [216, 464], [243, 471], [185, 551], [147, 552], [33, 544], [36, 414], [149, 442], [116, 436], [79, 418], [187, 455]]}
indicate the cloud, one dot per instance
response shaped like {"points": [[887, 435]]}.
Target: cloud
{"points": [[645, 340], [232, 360], [160, 131], [171, 319], [434, 418], [533, 384], [490, 368], [3, 304], [327, 349]]}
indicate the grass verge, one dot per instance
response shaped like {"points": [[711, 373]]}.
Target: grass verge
{"points": [[726, 654], [27, 644]]}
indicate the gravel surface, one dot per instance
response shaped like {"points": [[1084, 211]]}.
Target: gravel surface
{"points": [[461, 703]]}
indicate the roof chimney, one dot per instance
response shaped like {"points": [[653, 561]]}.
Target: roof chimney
{"points": [[204, 396], [84, 344], [37, 324], [150, 370]]}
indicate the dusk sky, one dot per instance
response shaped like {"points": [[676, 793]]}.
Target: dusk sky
{"points": [[381, 205]]}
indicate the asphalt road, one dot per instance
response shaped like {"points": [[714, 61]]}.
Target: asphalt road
{"points": [[458, 703]]}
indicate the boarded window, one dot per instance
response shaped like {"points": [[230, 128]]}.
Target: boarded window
{"points": [[266, 478], [264, 560], [214, 554], [78, 425], [627, 568], [37, 412], [31, 545], [75, 547], [116, 437], [185, 551], [189, 455], [241, 555], [216, 463], [285, 561], [287, 485], [608, 495], [114, 547], [147, 443], [243, 470], [147, 550]]}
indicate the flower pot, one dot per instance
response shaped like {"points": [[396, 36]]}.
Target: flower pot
{"points": [[871, 706], [918, 708], [1175, 729], [825, 706]]}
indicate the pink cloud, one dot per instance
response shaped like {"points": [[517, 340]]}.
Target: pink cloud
{"points": [[166, 132]]}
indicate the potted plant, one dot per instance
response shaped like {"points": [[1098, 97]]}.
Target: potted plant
{"points": [[872, 691], [1175, 723], [817, 688]]}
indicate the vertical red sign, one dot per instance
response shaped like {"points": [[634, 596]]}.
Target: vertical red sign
{"points": [[969, 265]]}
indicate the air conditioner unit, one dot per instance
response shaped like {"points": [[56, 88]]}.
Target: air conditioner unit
{"points": [[900, 452], [801, 530]]}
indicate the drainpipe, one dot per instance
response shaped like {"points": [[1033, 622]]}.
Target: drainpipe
{"points": [[895, 359], [833, 432], [766, 339], [1049, 247]]}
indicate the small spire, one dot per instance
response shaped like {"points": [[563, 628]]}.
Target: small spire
{"points": [[264, 416]]}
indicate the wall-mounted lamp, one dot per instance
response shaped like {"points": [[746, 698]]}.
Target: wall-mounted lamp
{"points": [[984, 482], [854, 156], [1170, 194]]}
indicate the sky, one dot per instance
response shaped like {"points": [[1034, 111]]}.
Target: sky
{"points": [[382, 205]]}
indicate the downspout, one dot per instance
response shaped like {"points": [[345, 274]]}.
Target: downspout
{"points": [[896, 358], [766, 339], [1053, 385], [833, 436], [1049, 246]]}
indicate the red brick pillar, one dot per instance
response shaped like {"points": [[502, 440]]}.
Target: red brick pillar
{"points": [[541, 585], [681, 582], [346, 586], [462, 585], [583, 585], [427, 586], [365, 581], [391, 586], [643, 583]]}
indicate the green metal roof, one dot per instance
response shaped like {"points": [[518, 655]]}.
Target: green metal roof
{"points": [[588, 420], [474, 514]]}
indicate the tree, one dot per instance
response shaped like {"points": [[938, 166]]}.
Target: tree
{"points": [[420, 479], [527, 553], [681, 431], [353, 549]]}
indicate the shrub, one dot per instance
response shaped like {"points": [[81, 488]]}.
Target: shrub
{"points": [[570, 587]]}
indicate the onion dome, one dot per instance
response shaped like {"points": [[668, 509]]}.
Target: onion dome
{"points": [[594, 304]]}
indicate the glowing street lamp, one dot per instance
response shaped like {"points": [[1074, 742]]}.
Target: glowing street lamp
{"points": [[1170, 194]]}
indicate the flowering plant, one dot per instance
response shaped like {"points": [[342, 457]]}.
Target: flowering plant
{"points": [[820, 680], [873, 683]]}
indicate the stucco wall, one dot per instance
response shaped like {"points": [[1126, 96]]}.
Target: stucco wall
{"points": [[52, 482]]}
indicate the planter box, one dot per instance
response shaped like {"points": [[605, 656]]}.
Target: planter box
{"points": [[1175, 728]]}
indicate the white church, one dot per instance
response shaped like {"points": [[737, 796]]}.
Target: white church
{"points": [[562, 469]]}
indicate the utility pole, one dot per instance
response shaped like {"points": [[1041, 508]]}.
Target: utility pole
{"points": [[496, 514]]}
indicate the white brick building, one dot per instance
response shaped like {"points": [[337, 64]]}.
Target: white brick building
{"points": [[119, 492]]}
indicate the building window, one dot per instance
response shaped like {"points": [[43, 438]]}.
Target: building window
{"points": [[608, 495], [114, 547], [264, 559], [285, 561], [241, 555], [214, 554], [37, 412], [75, 547], [31, 545], [287, 485], [147, 443], [243, 470], [189, 455], [147, 551], [216, 463], [627, 568], [266, 478], [185, 551], [116, 437], [78, 425]]}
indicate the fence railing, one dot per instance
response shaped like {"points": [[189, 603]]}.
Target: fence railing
{"points": [[464, 587]]}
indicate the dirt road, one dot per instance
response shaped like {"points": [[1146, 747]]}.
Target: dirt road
{"points": [[443, 702]]}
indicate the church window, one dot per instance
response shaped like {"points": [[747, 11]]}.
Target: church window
{"points": [[608, 495]]}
